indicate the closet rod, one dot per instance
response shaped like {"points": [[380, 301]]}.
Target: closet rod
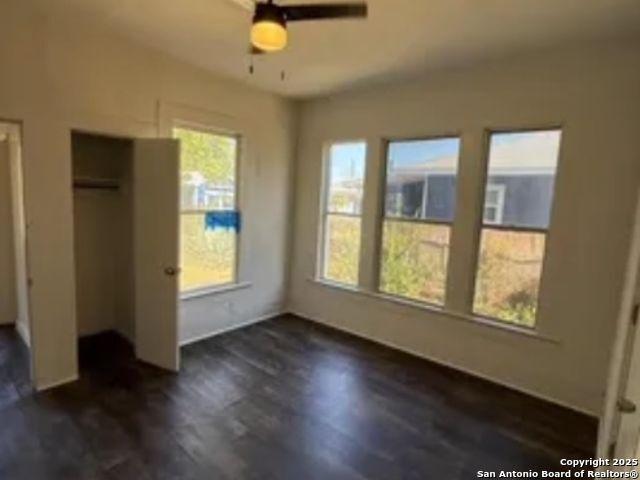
{"points": [[95, 184]]}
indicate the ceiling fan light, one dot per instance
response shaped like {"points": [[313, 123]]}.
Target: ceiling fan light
{"points": [[269, 30], [268, 35]]}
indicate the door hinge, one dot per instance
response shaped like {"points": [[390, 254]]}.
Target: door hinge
{"points": [[634, 314]]}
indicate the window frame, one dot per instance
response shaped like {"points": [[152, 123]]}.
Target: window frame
{"points": [[222, 132], [501, 191], [321, 255], [488, 133], [382, 214]]}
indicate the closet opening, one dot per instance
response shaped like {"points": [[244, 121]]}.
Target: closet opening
{"points": [[125, 207], [103, 246]]}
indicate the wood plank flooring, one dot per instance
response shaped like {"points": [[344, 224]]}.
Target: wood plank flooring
{"points": [[282, 399]]}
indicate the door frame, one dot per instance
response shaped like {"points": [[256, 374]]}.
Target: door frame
{"points": [[14, 131], [112, 127]]}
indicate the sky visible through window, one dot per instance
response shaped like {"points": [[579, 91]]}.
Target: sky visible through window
{"points": [[346, 161], [408, 153], [536, 137], [537, 150]]}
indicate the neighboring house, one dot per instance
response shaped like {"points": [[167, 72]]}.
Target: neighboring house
{"points": [[346, 196], [197, 193], [518, 193]]}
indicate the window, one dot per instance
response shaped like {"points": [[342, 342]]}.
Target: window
{"points": [[208, 183], [344, 186], [518, 198], [420, 202], [494, 204]]}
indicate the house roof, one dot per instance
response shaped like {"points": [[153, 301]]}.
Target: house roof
{"points": [[517, 154]]}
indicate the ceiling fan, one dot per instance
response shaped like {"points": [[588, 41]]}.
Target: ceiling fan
{"points": [[269, 26]]}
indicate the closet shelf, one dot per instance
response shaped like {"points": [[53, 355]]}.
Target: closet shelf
{"points": [[96, 183]]}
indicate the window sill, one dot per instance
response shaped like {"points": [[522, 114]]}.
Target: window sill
{"points": [[426, 307], [206, 291]]}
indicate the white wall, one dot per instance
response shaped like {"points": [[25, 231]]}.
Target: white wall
{"points": [[264, 198], [97, 235], [594, 94], [8, 308], [58, 75]]}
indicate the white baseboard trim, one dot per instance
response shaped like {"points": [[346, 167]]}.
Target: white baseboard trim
{"points": [[57, 383], [220, 331], [448, 364], [23, 332]]}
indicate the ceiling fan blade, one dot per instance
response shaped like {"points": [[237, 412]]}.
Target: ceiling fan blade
{"points": [[324, 11]]}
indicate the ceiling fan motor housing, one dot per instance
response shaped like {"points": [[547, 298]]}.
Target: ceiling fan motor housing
{"points": [[269, 29], [269, 12]]}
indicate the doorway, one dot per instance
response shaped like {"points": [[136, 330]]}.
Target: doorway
{"points": [[103, 234], [14, 276]]}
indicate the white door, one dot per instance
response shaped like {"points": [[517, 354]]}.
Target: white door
{"points": [[619, 435], [155, 186]]}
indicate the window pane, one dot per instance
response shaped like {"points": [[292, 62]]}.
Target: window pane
{"points": [[523, 166], [508, 277], [346, 177], [207, 257], [342, 249], [414, 260], [421, 179], [490, 215], [207, 170], [492, 197]]}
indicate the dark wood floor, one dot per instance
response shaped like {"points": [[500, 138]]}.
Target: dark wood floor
{"points": [[283, 399]]}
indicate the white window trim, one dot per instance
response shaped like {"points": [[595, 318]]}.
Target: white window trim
{"points": [[486, 225], [218, 289], [212, 288], [422, 220]]}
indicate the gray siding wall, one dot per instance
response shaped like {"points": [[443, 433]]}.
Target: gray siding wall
{"points": [[527, 199], [441, 197]]}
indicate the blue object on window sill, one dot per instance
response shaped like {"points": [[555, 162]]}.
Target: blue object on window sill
{"points": [[222, 220]]}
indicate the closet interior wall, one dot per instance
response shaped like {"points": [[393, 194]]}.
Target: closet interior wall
{"points": [[103, 234]]}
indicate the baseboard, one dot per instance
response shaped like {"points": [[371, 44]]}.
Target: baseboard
{"points": [[57, 383], [453, 366], [23, 332], [220, 331]]}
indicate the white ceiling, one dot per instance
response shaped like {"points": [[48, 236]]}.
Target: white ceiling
{"points": [[399, 38]]}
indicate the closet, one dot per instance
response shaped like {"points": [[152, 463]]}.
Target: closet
{"points": [[103, 233], [125, 207]]}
